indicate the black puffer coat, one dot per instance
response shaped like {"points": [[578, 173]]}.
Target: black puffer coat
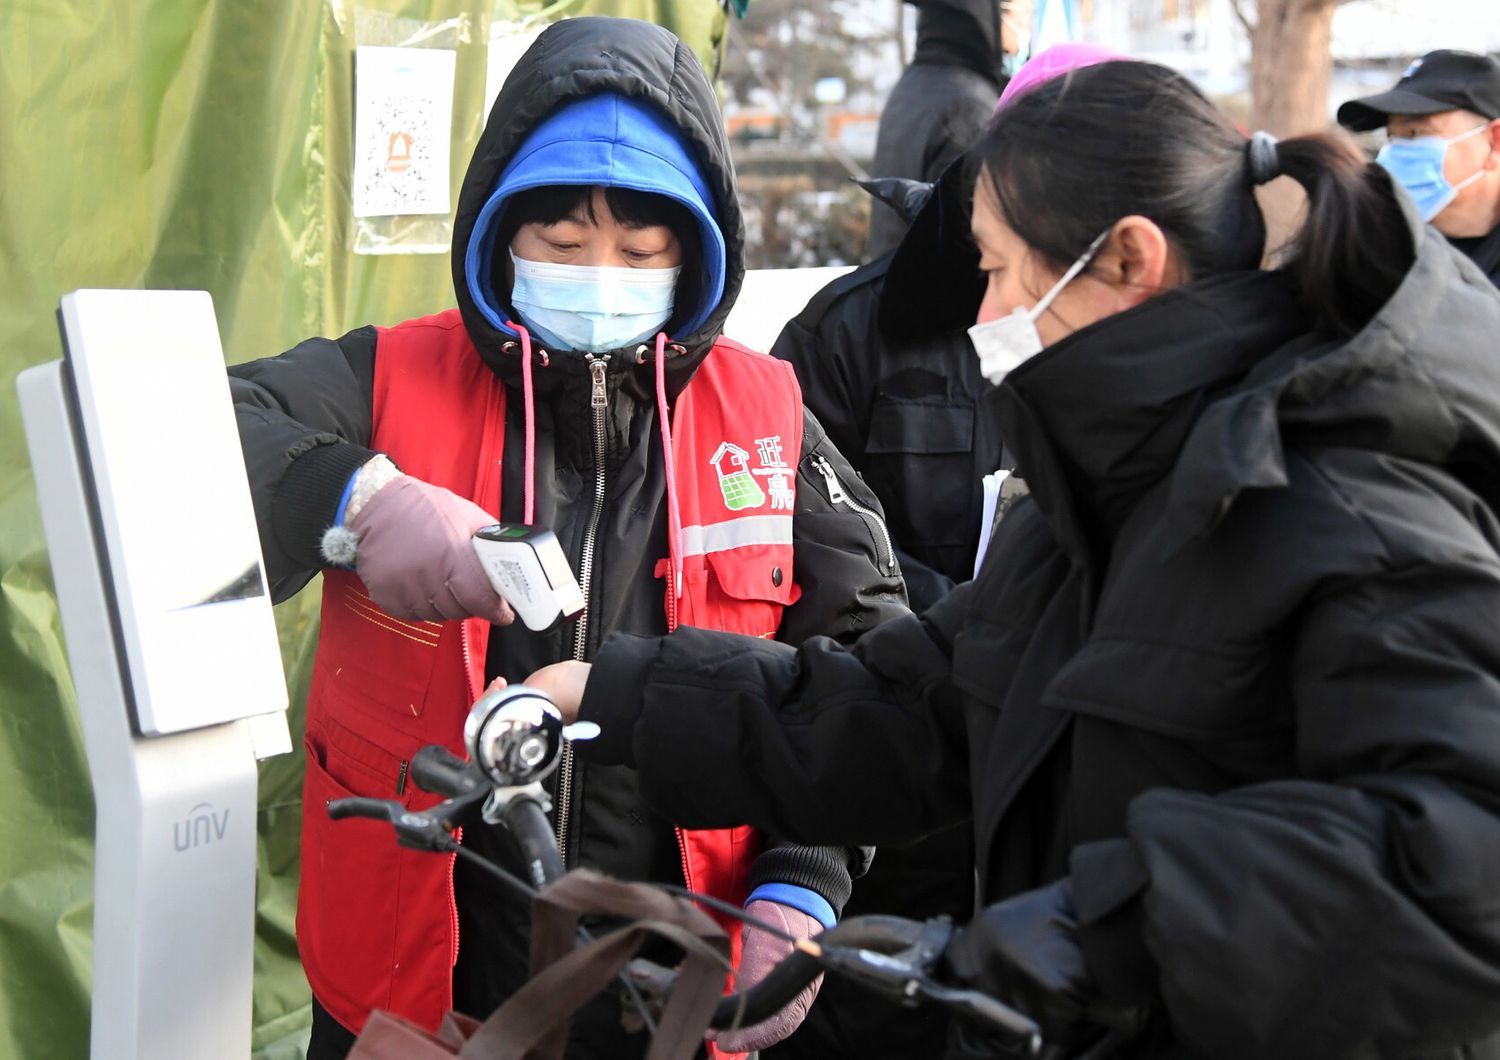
{"points": [[885, 362], [1234, 667], [305, 422], [940, 104]]}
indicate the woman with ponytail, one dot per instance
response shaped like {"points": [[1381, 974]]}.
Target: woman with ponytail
{"points": [[1223, 702]]}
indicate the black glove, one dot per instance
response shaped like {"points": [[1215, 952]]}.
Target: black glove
{"points": [[1025, 952]]}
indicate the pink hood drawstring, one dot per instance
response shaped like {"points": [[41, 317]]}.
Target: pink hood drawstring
{"points": [[674, 517], [528, 399]]}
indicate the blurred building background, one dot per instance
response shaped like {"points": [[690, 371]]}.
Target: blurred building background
{"points": [[804, 84]]}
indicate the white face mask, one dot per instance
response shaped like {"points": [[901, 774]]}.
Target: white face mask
{"points": [[1007, 342], [591, 308]]}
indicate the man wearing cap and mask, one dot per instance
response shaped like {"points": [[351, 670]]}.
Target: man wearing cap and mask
{"points": [[1442, 120]]}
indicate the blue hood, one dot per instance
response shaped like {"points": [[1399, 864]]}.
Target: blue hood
{"points": [[605, 140]]}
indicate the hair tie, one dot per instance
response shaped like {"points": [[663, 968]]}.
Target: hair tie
{"points": [[1265, 160]]}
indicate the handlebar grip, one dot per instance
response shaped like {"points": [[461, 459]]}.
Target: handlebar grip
{"points": [[769, 996], [880, 934], [434, 768], [379, 809], [529, 825]]}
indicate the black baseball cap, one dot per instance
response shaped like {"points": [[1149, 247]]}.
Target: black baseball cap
{"points": [[1439, 81]]}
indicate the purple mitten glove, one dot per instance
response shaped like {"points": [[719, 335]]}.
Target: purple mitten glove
{"points": [[416, 556], [760, 954]]}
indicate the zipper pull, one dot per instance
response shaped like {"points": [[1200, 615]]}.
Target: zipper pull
{"points": [[835, 488], [836, 495], [599, 397]]}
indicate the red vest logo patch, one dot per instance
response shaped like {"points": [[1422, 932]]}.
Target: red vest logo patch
{"points": [[737, 482]]}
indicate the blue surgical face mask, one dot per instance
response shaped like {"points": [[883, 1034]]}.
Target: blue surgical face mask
{"points": [[1417, 165], [589, 308]]}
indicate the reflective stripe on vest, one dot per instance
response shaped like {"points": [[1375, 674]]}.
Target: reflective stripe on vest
{"points": [[384, 687]]}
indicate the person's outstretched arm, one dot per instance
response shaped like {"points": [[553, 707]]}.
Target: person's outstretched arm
{"points": [[304, 423], [821, 743]]}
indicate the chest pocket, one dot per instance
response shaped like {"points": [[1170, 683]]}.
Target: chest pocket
{"points": [[920, 462], [1230, 693], [744, 591]]}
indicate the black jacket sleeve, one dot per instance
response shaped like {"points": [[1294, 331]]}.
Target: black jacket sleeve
{"points": [[1369, 869], [845, 561], [850, 581], [826, 743], [304, 423]]}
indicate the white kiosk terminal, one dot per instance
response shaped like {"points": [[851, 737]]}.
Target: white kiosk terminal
{"points": [[174, 653]]}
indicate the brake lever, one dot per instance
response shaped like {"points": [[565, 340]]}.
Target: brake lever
{"points": [[907, 976], [427, 830], [894, 974], [984, 1010]]}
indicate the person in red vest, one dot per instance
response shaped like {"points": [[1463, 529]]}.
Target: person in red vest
{"points": [[581, 384]]}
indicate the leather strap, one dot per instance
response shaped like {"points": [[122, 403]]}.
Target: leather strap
{"points": [[533, 1022]]}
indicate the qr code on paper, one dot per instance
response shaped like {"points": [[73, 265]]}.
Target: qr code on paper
{"points": [[396, 167], [402, 133]]}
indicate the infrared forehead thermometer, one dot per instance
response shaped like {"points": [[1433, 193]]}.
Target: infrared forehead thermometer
{"points": [[527, 566]]}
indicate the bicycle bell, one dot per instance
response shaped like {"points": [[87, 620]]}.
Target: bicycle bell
{"points": [[515, 735]]}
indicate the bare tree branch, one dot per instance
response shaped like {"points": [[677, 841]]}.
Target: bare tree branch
{"points": [[1239, 13], [784, 107]]}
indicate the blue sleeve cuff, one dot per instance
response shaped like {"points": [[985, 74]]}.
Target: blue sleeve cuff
{"points": [[800, 898], [338, 515]]}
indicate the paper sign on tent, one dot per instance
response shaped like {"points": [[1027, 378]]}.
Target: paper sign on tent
{"points": [[403, 116]]}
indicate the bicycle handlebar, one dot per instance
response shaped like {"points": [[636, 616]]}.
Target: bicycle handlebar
{"points": [[533, 832], [418, 831], [877, 934], [379, 809], [886, 954], [437, 770], [889, 955]]}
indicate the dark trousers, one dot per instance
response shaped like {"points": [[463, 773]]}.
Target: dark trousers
{"points": [[331, 1040]]}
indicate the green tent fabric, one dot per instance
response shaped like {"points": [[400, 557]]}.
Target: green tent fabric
{"points": [[184, 144]]}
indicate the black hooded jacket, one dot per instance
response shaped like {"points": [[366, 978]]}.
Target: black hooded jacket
{"points": [[305, 423], [940, 104], [1234, 667], [1484, 251], [884, 358]]}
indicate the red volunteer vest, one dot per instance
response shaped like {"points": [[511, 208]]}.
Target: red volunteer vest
{"points": [[377, 926]]}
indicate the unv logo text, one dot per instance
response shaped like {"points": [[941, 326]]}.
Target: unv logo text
{"points": [[202, 827]]}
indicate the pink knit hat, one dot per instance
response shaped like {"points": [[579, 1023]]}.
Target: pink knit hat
{"points": [[1050, 62]]}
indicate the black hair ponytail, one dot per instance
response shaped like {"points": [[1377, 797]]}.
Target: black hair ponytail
{"points": [[1355, 245], [1071, 157]]}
